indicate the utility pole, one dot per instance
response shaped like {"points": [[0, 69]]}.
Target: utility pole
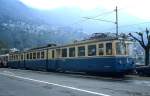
{"points": [[116, 10]]}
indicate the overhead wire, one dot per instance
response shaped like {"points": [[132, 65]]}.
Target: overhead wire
{"points": [[83, 20]]}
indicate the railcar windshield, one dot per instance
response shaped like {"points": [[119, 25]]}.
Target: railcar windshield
{"points": [[120, 48], [129, 48], [123, 48]]}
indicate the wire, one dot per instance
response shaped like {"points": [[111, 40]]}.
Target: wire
{"points": [[99, 19], [83, 20], [104, 13]]}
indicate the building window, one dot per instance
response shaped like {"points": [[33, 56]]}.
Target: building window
{"points": [[91, 50], [81, 51], [120, 49], [64, 52], [30, 55], [38, 55], [108, 48], [72, 52], [42, 55], [101, 49], [34, 55]]}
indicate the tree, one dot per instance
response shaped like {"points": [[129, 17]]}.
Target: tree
{"points": [[145, 43]]}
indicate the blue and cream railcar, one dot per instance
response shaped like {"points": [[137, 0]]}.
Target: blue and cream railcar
{"points": [[93, 56], [33, 59]]}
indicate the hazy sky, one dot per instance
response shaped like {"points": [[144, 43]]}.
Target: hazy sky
{"points": [[137, 9]]}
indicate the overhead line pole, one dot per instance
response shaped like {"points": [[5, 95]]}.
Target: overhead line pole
{"points": [[116, 10]]}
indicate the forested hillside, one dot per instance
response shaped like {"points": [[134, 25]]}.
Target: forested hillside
{"points": [[22, 27]]}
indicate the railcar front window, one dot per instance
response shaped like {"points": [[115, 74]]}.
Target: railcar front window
{"points": [[91, 50], [101, 49], [72, 52], [81, 51], [108, 48], [129, 49], [120, 48], [64, 52]]}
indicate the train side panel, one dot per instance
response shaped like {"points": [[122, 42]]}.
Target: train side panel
{"points": [[36, 64], [92, 65], [95, 65]]}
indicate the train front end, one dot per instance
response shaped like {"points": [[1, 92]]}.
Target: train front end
{"points": [[124, 53]]}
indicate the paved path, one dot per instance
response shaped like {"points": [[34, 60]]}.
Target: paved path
{"points": [[15, 82]]}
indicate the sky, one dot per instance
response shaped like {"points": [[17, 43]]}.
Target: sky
{"points": [[134, 8]]}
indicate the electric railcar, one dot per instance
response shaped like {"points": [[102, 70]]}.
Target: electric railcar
{"points": [[108, 56]]}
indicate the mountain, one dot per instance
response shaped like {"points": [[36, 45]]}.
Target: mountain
{"points": [[23, 27]]}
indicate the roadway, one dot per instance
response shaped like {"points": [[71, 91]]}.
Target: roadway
{"points": [[15, 82]]}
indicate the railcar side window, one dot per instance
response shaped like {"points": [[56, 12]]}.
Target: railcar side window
{"points": [[108, 48], [34, 55], [38, 55], [21, 56], [91, 50], [101, 49], [10, 57], [72, 52], [81, 51], [53, 54], [27, 56], [64, 52], [14, 56], [120, 49], [30, 55], [42, 54]]}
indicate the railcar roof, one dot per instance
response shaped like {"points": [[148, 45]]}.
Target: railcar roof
{"points": [[75, 43], [52, 46]]}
